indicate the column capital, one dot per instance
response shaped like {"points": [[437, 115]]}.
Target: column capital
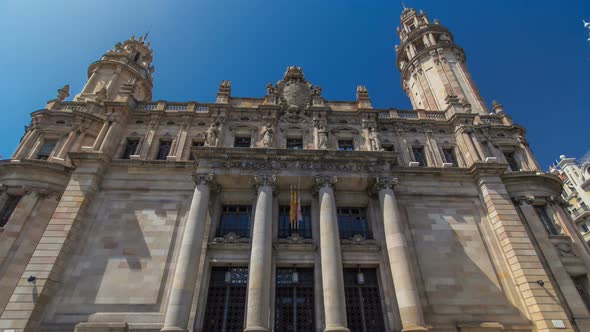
{"points": [[262, 180], [384, 182], [524, 199], [203, 178], [325, 181]]}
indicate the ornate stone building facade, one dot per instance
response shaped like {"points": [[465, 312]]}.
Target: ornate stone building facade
{"points": [[576, 190], [122, 213]]}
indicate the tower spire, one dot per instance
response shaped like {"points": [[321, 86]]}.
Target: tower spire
{"points": [[433, 68]]}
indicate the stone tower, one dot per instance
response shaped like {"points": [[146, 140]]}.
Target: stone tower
{"points": [[432, 66], [122, 72]]}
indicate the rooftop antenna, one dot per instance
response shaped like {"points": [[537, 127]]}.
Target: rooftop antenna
{"points": [[404, 6]]}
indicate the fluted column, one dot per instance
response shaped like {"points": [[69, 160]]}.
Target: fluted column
{"points": [[404, 282], [331, 258], [259, 271], [187, 264]]}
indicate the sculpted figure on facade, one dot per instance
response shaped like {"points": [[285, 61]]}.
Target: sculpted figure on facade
{"points": [[375, 140], [267, 135], [321, 124], [212, 134]]}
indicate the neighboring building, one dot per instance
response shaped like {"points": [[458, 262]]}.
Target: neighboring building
{"points": [[122, 213], [576, 189]]}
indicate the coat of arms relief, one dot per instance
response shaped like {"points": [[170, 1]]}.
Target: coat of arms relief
{"points": [[295, 95]]}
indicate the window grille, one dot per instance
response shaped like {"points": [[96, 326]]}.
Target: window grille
{"points": [[226, 299], [364, 312], [294, 300]]}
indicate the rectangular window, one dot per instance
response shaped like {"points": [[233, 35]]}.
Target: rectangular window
{"points": [[352, 222], [585, 228], [388, 147], [363, 301], [193, 145], [419, 156], [242, 142], [510, 158], [546, 220], [235, 219], [449, 155], [294, 302], [294, 143], [581, 283], [345, 145], [226, 299], [130, 147], [46, 149], [301, 227], [164, 149], [8, 207]]}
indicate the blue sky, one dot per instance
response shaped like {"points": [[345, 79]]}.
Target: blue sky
{"points": [[532, 56]]}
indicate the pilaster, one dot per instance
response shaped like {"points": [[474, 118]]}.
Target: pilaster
{"points": [[526, 270], [25, 307]]}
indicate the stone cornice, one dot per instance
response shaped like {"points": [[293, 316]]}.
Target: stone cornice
{"points": [[480, 169]]}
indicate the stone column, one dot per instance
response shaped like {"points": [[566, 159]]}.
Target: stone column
{"points": [[259, 271], [187, 264], [331, 258], [406, 292]]}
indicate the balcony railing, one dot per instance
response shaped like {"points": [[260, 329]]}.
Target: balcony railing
{"points": [[580, 211]]}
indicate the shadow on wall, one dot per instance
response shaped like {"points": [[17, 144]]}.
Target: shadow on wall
{"points": [[460, 282], [125, 253]]}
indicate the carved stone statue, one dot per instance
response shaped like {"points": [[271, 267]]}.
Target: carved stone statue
{"points": [[322, 139], [317, 91], [212, 134], [375, 140], [320, 123], [267, 135], [270, 90]]}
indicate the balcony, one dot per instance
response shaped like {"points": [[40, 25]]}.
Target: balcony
{"points": [[580, 214]]}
